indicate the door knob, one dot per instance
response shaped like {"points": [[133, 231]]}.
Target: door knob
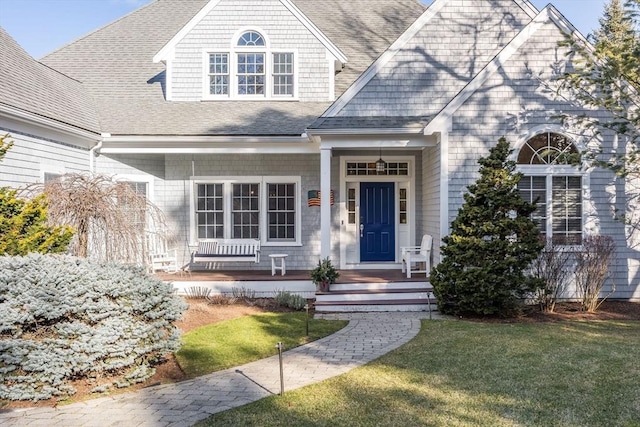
{"points": [[361, 230]]}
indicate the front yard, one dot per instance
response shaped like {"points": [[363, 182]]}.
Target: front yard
{"points": [[461, 373]]}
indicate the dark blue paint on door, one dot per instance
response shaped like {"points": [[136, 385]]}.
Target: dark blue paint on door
{"points": [[377, 212]]}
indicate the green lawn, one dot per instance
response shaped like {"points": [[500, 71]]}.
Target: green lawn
{"points": [[235, 342], [458, 373]]}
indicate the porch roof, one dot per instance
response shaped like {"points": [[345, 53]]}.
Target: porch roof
{"points": [[371, 122]]}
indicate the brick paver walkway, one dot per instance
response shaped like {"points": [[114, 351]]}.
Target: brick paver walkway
{"points": [[366, 337]]}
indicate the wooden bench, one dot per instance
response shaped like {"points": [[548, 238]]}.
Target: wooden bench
{"points": [[227, 250]]}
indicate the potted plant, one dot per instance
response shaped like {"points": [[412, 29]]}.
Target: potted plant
{"points": [[324, 274]]}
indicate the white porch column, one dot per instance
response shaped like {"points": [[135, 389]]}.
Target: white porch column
{"points": [[325, 206]]}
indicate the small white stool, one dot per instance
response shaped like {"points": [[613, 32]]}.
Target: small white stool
{"points": [[282, 267]]}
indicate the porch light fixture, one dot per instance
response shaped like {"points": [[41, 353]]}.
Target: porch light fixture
{"points": [[381, 165]]}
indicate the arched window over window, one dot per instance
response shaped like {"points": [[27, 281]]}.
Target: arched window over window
{"points": [[251, 69], [550, 181]]}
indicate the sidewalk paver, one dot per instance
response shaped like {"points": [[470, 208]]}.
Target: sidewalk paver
{"points": [[366, 337]]}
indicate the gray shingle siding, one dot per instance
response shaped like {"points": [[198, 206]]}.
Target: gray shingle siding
{"points": [[283, 31], [172, 179], [512, 103], [30, 156], [440, 59]]}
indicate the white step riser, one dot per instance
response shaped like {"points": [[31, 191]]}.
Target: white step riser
{"points": [[373, 297], [374, 308], [378, 286]]}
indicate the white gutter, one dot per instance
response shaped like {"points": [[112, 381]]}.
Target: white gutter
{"points": [[31, 118]]}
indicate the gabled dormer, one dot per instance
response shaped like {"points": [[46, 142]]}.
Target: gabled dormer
{"points": [[268, 50]]}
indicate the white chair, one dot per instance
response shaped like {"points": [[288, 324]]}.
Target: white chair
{"points": [[417, 255], [160, 257]]}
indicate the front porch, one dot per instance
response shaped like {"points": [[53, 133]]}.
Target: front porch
{"points": [[355, 290]]}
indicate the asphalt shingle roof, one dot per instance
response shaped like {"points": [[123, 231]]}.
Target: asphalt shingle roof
{"points": [[30, 86], [115, 65]]}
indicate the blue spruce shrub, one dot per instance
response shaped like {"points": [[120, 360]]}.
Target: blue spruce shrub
{"points": [[64, 318]]}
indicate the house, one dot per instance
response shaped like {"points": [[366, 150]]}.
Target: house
{"points": [[236, 116]]}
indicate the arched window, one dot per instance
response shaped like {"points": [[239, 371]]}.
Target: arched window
{"points": [[251, 70], [548, 149], [556, 186], [251, 38]]}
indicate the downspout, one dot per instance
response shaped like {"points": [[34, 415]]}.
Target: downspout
{"points": [[95, 152]]}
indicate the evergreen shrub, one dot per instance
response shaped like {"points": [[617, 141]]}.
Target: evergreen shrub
{"points": [[64, 318], [492, 243]]}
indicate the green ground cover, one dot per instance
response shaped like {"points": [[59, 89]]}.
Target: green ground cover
{"points": [[458, 373], [235, 342]]}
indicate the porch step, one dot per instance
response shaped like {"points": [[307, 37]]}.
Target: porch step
{"points": [[365, 297]]}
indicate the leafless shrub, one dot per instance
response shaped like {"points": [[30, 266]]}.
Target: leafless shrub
{"points": [[551, 267], [592, 268], [110, 217], [221, 299], [245, 294], [198, 292]]}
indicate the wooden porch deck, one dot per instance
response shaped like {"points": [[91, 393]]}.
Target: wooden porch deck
{"points": [[346, 276]]}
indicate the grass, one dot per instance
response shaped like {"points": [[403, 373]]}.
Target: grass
{"points": [[235, 342], [458, 373]]}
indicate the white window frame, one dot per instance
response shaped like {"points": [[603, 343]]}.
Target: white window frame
{"points": [[227, 190], [553, 171], [233, 52]]}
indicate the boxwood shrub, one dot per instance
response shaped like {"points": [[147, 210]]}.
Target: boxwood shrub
{"points": [[64, 318]]}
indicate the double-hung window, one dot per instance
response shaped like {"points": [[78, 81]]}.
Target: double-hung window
{"points": [[263, 208], [556, 186], [251, 70]]}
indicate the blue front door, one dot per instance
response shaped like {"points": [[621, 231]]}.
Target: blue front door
{"points": [[377, 224]]}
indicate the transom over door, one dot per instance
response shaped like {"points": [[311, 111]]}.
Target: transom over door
{"points": [[377, 223]]}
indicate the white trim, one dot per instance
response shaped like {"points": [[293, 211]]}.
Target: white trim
{"points": [[163, 144], [549, 171], [577, 140], [410, 181], [168, 80], [168, 49], [50, 124], [383, 59], [444, 184], [227, 183], [232, 63], [206, 53]]}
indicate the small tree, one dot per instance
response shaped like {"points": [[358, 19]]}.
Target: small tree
{"points": [[492, 243], [592, 268], [111, 217], [24, 224]]}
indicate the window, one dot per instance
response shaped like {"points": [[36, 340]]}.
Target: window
{"points": [[250, 70], [209, 211], [263, 208], [283, 74], [281, 212], [364, 168], [251, 77], [550, 181], [219, 74], [246, 211], [51, 176]]}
